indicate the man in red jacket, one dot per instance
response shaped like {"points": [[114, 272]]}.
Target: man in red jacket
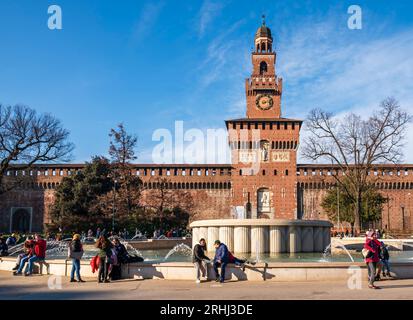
{"points": [[38, 253], [373, 245]]}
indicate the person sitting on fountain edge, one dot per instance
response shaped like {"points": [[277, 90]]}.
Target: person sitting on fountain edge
{"points": [[221, 259], [238, 262], [199, 259], [27, 248], [38, 253]]}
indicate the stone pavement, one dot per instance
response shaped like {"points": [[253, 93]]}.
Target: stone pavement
{"points": [[36, 287]]}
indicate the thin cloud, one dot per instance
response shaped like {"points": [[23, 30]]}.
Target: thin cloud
{"points": [[333, 69], [222, 55], [208, 12], [146, 20]]}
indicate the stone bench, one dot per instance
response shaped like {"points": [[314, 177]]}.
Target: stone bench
{"points": [[42, 264]]}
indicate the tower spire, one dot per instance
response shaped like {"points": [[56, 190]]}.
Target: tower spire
{"points": [[263, 19]]}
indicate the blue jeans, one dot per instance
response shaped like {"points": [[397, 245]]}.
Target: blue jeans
{"points": [[23, 261], [75, 268], [30, 260], [386, 266], [223, 266]]}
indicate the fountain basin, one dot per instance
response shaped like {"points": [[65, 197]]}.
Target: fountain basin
{"points": [[282, 272], [264, 235]]}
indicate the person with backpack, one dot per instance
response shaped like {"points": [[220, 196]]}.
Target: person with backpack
{"points": [[75, 253], [371, 252]]}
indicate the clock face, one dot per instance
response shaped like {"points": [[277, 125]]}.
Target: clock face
{"points": [[264, 102]]}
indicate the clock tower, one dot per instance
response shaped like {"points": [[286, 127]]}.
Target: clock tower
{"points": [[264, 144], [263, 89]]}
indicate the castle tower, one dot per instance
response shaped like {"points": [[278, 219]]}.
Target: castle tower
{"points": [[264, 145], [263, 89]]}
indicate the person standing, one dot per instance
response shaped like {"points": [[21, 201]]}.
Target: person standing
{"points": [[372, 246], [385, 257], [75, 253], [121, 255], [105, 254], [220, 260], [199, 260]]}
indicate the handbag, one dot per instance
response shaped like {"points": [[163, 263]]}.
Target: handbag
{"points": [[365, 252]]}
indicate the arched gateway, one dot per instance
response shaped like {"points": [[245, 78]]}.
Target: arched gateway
{"points": [[21, 220]]}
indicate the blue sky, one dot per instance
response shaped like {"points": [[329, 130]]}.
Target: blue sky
{"points": [[150, 63]]}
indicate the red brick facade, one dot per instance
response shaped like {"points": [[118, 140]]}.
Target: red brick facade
{"points": [[263, 181]]}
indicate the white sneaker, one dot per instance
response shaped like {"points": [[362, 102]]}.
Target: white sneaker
{"points": [[198, 281]]}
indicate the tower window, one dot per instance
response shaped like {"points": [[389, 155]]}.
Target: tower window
{"points": [[263, 67]]}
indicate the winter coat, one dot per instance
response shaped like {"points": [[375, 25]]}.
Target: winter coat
{"points": [[374, 247], [199, 253], [40, 248], [75, 250], [94, 263], [221, 253], [384, 254]]}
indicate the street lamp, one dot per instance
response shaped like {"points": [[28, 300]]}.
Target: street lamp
{"points": [[338, 207], [402, 207], [113, 207]]}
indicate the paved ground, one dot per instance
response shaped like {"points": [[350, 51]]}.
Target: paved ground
{"points": [[36, 287]]}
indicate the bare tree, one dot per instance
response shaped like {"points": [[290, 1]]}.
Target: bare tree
{"points": [[122, 146], [26, 139], [354, 145], [122, 153], [161, 199]]}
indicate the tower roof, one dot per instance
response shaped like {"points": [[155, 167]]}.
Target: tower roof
{"points": [[263, 31]]}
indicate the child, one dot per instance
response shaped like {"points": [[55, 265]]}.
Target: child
{"points": [[384, 257]]}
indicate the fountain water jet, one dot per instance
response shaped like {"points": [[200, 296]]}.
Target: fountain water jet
{"points": [[181, 248]]}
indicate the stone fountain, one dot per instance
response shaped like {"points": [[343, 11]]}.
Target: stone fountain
{"points": [[264, 235]]}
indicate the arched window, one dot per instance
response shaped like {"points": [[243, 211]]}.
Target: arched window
{"points": [[263, 47], [263, 67]]}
